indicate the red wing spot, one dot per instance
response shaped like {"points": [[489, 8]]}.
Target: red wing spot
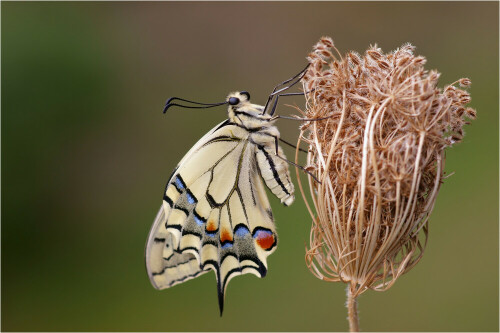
{"points": [[211, 226], [225, 236], [265, 239]]}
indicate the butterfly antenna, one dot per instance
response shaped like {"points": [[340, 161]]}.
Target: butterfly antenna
{"points": [[169, 104]]}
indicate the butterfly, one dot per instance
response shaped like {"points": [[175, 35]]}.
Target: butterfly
{"points": [[215, 213]]}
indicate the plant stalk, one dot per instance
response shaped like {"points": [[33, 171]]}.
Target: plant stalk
{"points": [[352, 310]]}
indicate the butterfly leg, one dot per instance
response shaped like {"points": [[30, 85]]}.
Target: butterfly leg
{"points": [[277, 97], [292, 163], [291, 79], [292, 145], [287, 94], [299, 119], [297, 77]]}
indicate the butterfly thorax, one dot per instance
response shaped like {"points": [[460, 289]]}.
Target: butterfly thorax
{"points": [[259, 128]]}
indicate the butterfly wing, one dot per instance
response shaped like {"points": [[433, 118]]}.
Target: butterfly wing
{"points": [[215, 215]]}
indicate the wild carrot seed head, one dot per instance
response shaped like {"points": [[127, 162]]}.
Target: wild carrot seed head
{"points": [[380, 159]]}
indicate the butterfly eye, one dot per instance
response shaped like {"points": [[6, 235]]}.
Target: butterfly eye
{"points": [[234, 100], [246, 94]]}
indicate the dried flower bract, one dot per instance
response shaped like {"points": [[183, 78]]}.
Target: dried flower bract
{"points": [[379, 155]]}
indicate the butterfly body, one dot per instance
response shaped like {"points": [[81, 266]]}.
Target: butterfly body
{"points": [[215, 213]]}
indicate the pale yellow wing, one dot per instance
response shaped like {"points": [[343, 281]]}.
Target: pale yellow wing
{"points": [[215, 215]]}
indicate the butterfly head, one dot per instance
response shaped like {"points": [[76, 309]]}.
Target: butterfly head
{"points": [[242, 112], [238, 99]]}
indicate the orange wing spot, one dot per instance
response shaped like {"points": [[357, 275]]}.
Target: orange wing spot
{"points": [[225, 236], [265, 239], [211, 226]]}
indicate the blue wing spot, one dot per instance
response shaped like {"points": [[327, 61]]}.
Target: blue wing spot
{"points": [[190, 197], [211, 234], [179, 183], [226, 245], [241, 230], [198, 219]]}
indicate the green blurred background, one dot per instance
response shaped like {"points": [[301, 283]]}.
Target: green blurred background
{"points": [[86, 153]]}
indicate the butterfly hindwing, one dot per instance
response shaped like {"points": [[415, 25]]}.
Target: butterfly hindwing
{"points": [[215, 214]]}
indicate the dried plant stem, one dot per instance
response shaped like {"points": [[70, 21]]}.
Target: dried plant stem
{"points": [[352, 309]]}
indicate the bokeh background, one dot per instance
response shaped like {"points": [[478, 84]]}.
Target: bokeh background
{"points": [[86, 152]]}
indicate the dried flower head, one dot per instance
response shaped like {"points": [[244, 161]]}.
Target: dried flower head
{"points": [[379, 155]]}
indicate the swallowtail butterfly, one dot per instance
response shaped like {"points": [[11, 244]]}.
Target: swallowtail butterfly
{"points": [[215, 213]]}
